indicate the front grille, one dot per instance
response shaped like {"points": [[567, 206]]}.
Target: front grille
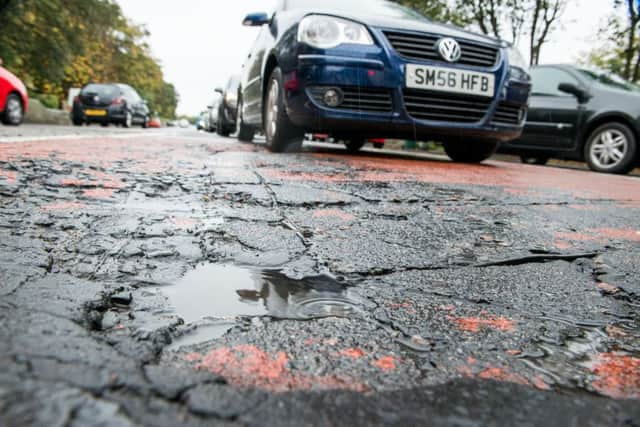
{"points": [[363, 99], [447, 107], [507, 114], [423, 47]]}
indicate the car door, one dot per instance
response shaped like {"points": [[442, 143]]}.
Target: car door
{"points": [[554, 117]]}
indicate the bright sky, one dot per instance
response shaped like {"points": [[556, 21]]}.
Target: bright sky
{"points": [[200, 43]]}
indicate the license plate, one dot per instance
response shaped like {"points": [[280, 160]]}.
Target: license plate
{"points": [[95, 112], [451, 80]]}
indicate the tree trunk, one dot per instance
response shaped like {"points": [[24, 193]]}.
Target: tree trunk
{"points": [[630, 40]]}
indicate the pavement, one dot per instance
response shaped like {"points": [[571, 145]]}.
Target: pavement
{"points": [[169, 277]]}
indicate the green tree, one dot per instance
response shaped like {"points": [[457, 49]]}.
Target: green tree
{"points": [[54, 45], [619, 51]]}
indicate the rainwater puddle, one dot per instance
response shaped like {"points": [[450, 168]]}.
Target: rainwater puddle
{"points": [[225, 291]]}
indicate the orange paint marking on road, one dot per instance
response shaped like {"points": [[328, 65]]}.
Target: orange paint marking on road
{"points": [[395, 306], [98, 193], [600, 235], [250, 366], [608, 289], [192, 357], [335, 213], [617, 376], [9, 176], [502, 374], [387, 363], [473, 324], [74, 182], [614, 331], [353, 353], [540, 383], [63, 206]]}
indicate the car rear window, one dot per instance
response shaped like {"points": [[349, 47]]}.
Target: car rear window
{"points": [[103, 91]]}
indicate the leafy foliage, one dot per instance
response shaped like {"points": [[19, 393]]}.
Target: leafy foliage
{"points": [[620, 51], [54, 45]]}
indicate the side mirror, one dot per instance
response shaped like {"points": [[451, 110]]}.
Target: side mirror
{"points": [[582, 95], [219, 90], [256, 19]]}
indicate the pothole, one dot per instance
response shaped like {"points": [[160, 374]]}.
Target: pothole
{"points": [[212, 295]]}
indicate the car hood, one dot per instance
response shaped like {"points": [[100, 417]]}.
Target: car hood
{"points": [[418, 25]]}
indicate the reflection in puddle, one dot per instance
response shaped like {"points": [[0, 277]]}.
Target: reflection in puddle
{"points": [[201, 333], [223, 291]]}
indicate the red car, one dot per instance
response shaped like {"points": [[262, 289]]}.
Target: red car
{"points": [[13, 98]]}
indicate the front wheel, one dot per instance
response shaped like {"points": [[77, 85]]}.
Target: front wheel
{"points": [[611, 148], [128, 120], [282, 135], [221, 128], [244, 133], [13, 111], [470, 152], [354, 145]]}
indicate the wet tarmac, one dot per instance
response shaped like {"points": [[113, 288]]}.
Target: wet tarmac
{"points": [[177, 278]]}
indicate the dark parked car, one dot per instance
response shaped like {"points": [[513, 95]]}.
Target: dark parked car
{"points": [[13, 98], [109, 103], [227, 107], [213, 110], [361, 69], [581, 114]]}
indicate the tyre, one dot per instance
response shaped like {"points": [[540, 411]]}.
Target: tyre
{"points": [[282, 135], [470, 152], [378, 145], [77, 122], [244, 133], [354, 145], [13, 110], [104, 124], [221, 128], [128, 120], [611, 148], [145, 123], [534, 160]]}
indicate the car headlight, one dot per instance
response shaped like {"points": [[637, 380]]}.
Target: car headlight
{"points": [[327, 32], [231, 99]]}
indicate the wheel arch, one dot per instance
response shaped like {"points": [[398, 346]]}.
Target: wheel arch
{"points": [[270, 65]]}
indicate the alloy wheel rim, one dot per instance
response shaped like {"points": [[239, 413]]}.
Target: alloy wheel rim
{"points": [[609, 149], [272, 109], [14, 110]]}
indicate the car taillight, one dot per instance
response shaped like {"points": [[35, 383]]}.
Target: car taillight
{"points": [[118, 101]]}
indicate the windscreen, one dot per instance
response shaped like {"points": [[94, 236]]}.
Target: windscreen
{"points": [[609, 79], [374, 7], [103, 91]]}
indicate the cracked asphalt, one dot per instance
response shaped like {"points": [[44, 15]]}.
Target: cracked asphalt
{"points": [[169, 277]]}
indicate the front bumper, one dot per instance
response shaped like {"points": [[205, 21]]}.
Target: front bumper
{"points": [[366, 75]]}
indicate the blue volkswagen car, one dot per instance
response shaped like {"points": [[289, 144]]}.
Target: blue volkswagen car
{"points": [[359, 69]]}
